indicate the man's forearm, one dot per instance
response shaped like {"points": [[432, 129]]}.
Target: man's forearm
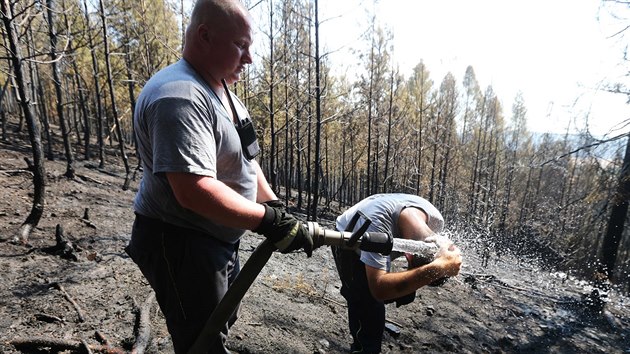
{"points": [[388, 286], [215, 201]]}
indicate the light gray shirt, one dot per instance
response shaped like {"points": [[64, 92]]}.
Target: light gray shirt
{"points": [[182, 126], [383, 210]]}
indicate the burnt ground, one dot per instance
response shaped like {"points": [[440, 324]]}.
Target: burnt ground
{"points": [[48, 302]]}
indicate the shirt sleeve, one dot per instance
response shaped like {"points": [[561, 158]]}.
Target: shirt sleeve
{"points": [[183, 137], [375, 260]]}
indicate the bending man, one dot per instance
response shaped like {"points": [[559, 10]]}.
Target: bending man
{"points": [[367, 283]]}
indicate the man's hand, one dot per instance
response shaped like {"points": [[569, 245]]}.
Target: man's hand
{"points": [[284, 230], [448, 257], [450, 260]]}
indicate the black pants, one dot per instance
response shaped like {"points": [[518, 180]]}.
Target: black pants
{"points": [[189, 271], [366, 315]]}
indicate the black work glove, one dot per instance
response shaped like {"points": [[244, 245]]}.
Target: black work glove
{"points": [[285, 231], [276, 203]]}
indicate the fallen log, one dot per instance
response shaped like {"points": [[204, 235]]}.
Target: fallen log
{"points": [[32, 344], [143, 326]]}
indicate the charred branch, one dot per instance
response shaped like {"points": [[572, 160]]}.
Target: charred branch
{"points": [[71, 300], [143, 326], [58, 345]]}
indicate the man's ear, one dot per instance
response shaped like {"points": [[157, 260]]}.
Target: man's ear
{"points": [[204, 33]]}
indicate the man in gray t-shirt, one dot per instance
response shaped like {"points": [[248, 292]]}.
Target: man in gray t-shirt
{"points": [[201, 187], [366, 281]]}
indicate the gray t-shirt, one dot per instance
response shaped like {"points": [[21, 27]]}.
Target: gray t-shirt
{"points": [[383, 210], [182, 126]]}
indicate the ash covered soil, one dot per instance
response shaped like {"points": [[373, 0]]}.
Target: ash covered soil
{"points": [[49, 303]]}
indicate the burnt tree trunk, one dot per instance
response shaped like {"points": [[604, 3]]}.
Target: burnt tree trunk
{"points": [[39, 95], [55, 58], [131, 91], [97, 92], [309, 133], [82, 99], [273, 159], [288, 154], [387, 177], [318, 117], [617, 219], [110, 81], [298, 140], [34, 134]]}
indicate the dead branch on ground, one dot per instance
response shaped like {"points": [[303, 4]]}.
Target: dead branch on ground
{"points": [[143, 325], [15, 172], [48, 318], [71, 300], [38, 343], [89, 179]]}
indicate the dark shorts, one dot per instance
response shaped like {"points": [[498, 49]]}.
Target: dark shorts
{"points": [[189, 271]]}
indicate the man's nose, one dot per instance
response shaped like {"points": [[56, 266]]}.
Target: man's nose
{"points": [[247, 57]]}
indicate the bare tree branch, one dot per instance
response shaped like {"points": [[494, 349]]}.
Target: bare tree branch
{"points": [[584, 147]]}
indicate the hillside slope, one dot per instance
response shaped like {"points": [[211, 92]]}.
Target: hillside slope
{"points": [[294, 305]]}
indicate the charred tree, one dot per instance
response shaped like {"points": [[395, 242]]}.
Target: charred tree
{"points": [[519, 131], [298, 140], [369, 117], [309, 125], [110, 82], [273, 160], [130, 81], [38, 94], [34, 134], [418, 88], [97, 91], [55, 59], [436, 126], [390, 112], [2, 109], [288, 155], [318, 117], [82, 99], [618, 214]]}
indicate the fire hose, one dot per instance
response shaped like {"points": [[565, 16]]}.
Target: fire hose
{"points": [[360, 239]]}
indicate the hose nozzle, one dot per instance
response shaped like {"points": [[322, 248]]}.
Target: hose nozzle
{"points": [[368, 241]]}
